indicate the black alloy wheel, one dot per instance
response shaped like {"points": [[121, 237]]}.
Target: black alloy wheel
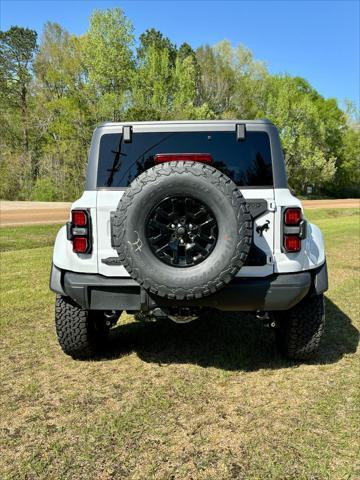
{"points": [[182, 231]]}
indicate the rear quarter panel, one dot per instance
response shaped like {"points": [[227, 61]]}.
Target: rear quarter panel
{"points": [[63, 256], [312, 253]]}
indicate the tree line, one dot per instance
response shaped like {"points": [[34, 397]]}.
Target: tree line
{"points": [[54, 92]]}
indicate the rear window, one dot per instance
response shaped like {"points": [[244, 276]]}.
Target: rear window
{"points": [[247, 163]]}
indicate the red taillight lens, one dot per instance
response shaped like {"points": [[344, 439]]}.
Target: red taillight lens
{"points": [[80, 244], [292, 216], [78, 231], [292, 243], [79, 218], [174, 157]]}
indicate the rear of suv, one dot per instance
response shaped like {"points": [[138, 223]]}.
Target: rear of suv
{"points": [[184, 219]]}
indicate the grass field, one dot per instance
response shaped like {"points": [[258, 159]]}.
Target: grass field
{"points": [[207, 400]]}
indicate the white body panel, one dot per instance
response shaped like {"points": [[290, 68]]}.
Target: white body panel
{"points": [[312, 253], [64, 257], [102, 202], [107, 202]]}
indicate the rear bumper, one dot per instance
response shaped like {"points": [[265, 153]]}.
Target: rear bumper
{"points": [[276, 292]]}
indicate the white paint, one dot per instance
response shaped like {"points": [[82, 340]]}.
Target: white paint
{"points": [[107, 201], [312, 253], [63, 256], [102, 202]]}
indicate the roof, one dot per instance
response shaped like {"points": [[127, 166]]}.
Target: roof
{"points": [[188, 122]]}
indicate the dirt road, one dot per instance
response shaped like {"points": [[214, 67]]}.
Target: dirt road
{"points": [[30, 213], [340, 203]]}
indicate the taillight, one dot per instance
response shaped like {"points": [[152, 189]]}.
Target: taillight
{"points": [[292, 216], [292, 243], [79, 231], [174, 157], [294, 229], [79, 218], [80, 244]]}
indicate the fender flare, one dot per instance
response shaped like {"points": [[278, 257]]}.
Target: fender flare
{"points": [[321, 281]]}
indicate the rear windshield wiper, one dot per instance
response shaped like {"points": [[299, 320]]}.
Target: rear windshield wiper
{"points": [[116, 163]]}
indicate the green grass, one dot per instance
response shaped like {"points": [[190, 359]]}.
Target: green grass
{"points": [[330, 213], [27, 237], [207, 400]]}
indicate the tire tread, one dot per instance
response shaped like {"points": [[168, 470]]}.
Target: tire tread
{"points": [[299, 331], [73, 328], [226, 186]]}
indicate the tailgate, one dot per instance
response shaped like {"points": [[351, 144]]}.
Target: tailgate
{"points": [[263, 234], [107, 202]]}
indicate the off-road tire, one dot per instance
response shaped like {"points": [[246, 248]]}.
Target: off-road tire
{"points": [[299, 330], [80, 332], [216, 191]]}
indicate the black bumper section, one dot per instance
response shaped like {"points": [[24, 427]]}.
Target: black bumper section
{"points": [[276, 292]]}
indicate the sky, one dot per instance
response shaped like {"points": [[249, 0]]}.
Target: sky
{"points": [[318, 40]]}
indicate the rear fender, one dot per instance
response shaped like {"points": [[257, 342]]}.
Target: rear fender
{"points": [[63, 256], [312, 254], [315, 246]]}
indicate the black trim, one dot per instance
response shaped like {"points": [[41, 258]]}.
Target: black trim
{"points": [[320, 280], [112, 215], [303, 229], [111, 261], [275, 292], [256, 257], [56, 280], [70, 230], [257, 206], [300, 230]]}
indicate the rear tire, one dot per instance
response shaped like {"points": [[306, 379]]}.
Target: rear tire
{"points": [[299, 330], [81, 333]]}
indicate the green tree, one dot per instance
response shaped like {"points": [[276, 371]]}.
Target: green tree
{"points": [[63, 114], [347, 179], [58, 65], [17, 164], [50, 106], [186, 91], [152, 83], [17, 49], [109, 62], [295, 111], [217, 77], [154, 39], [232, 81]]}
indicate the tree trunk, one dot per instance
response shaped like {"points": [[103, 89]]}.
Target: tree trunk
{"points": [[24, 118]]}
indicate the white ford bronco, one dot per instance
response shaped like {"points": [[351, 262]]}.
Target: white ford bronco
{"points": [[184, 219]]}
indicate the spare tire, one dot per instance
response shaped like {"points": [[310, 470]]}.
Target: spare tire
{"points": [[182, 230]]}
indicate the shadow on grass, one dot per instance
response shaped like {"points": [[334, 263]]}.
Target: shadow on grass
{"points": [[230, 342]]}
